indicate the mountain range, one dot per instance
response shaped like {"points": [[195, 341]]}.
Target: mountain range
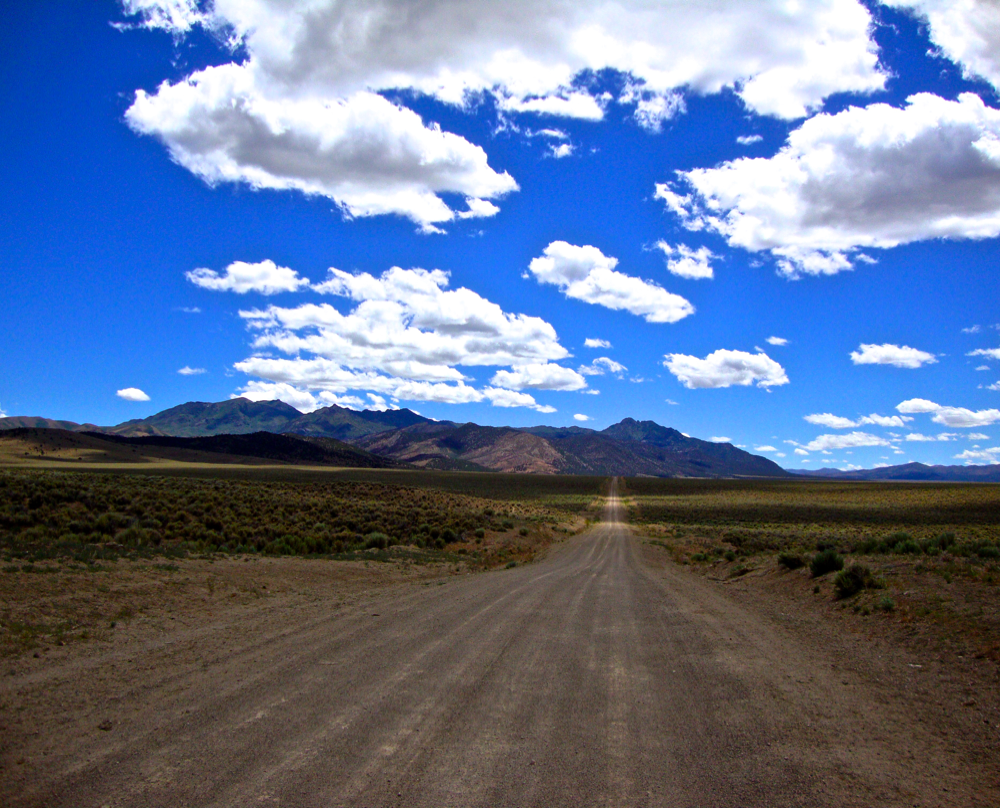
{"points": [[628, 448], [403, 437], [910, 472]]}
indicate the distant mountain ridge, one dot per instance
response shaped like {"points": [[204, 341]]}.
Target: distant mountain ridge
{"points": [[910, 472], [240, 416], [628, 448]]}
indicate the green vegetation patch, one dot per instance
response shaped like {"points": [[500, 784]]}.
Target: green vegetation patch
{"points": [[93, 518]]}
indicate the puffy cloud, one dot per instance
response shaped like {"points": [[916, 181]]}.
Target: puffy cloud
{"points": [[764, 449], [367, 154], [602, 365], [406, 337], [967, 32], [980, 457], [885, 420], [992, 353], [800, 451], [323, 375], [876, 176], [917, 405], [848, 441], [720, 439], [508, 398], [560, 150], [189, 371], [901, 356], [777, 341], [977, 436], [687, 263], [994, 386], [407, 322], [919, 438], [302, 400], [585, 273], [581, 417], [781, 60], [748, 140], [972, 329], [596, 343], [175, 16], [830, 420], [265, 277], [540, 376], [302, 109], [725, 368], [652, 110], [132, 394], [950, 416]]}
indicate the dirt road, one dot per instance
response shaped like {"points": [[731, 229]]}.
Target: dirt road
{"points": [[595, 677]]}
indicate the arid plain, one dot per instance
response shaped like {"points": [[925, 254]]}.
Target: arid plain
{"points": [[497, 640]]}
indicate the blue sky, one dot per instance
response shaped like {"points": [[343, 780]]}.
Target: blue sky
{"points": [[730, 206]]}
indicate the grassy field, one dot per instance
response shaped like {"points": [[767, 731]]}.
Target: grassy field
{"points": [[88, 517], [765, 515]]}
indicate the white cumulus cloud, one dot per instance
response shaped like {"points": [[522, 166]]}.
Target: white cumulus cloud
{"points": [[265, 277], [585, 273], [508, 398], [189, 371], [581, 417], [848, 441], [720, 439], [830, 420], [900, 356], [602, 365], [407, 336], [596, 343], [367, 154], [725, 368], [980, 457], [132, 394], [301, 109], [302, 400], [539, 376], [991, 353], [950, 416], [777, 341], [871, 177], [967, 32], [687, 263]]}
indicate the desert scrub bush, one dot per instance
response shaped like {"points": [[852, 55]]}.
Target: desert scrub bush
{"points": [[791, 561], [89, 517], [376, 541], [854, 579], [885, 604], [825, 561]]}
